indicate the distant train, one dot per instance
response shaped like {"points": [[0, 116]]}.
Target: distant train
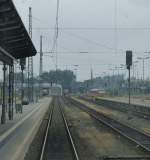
{"points": [[51, 89], [56, 90]]}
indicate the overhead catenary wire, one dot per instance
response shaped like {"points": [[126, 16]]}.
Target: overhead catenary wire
{"points": [[116, 49], [94, 28], [86, 52]]}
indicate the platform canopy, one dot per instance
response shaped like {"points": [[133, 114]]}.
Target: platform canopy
{"points": [[14, 38]]}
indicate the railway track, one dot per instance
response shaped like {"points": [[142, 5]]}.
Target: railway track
{"points": [[140, 139], [126, 158], [135, 112], [58, 143]]}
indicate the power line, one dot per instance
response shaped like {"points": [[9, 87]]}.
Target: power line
{"points": [[93, 28], [82, 52], [92, 41], [119, 50]]}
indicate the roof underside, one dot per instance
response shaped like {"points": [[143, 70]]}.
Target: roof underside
{"points": [[14, 38]]}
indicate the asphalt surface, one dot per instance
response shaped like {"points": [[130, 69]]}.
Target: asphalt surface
{"points": [[14, 142]]}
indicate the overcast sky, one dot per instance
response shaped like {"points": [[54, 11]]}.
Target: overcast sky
{"points": [[104, 29]]}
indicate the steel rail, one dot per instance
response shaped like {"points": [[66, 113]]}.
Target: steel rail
{"points": [[127, 158], [140, 138], [135, 113], [68, 132], [47, 130]]}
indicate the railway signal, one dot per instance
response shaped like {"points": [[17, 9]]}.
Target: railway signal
{"points": [[129, 64]]}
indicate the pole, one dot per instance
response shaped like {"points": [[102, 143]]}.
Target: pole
{"points": [[3, 117], [143, 70], [12, 72], [143, 76], [41, 55], [129, 111], [22, 90], [113, 82], [129, 88], [30, 64], [15, 84], [10, 94], [41, 64], [118, 82]]}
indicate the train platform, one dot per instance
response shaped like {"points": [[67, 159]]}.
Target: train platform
{"points": [[136, 101], [16, 135]]}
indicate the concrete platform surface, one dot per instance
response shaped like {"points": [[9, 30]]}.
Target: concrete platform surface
{"points": [[16, 135], [136, 101]]}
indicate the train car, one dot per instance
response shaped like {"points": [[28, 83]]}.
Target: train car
{"points": [[96, 93], [45, 92], [56, 90], [45, 87]]}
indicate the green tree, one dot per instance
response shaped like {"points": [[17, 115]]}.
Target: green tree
{"points": [[65, 78]]}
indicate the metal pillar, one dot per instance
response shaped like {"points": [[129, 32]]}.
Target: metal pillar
{"points": [[30, 64], [41, 56], [1, 87], [12, 96], [22, 90], [15, 84], [30, 80], [129, 85], [41, 63], [10, 110], [22, 64], [143, 70], [3, 116], [129, 80]]}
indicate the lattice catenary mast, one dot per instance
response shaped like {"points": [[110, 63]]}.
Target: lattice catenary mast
{"points": [[30, 64], [41, 56]]}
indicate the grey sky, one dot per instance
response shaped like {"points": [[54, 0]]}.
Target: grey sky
{"points": [[89, 25]]}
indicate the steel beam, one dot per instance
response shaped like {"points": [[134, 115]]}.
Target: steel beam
{"points": [[19, 47], [16, 40], [2, 9], [9, 28], [10, 22], [8, 38], [6, 57], [11, 14], [14, 33]]}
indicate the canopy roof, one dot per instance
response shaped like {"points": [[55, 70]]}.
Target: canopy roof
{"points": [[14, 38]]}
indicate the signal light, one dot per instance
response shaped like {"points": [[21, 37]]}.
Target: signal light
{"points": [[128, 59]]}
